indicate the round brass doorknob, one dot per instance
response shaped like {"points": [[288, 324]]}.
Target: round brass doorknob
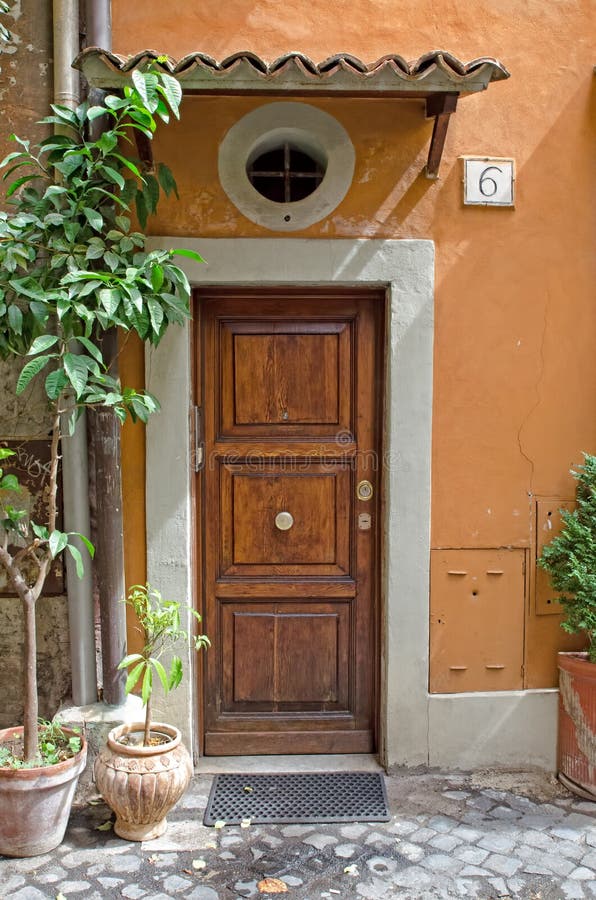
{"points": [[284, 521]]}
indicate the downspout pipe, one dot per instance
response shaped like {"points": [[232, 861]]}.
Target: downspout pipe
{"points": [[98, 14], [107, 454], [74, 449]]}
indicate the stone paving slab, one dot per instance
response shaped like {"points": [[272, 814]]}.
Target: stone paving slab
{"points": [[484, 836]]}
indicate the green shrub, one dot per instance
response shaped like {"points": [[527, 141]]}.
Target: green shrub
{"points": [[570, 558]]}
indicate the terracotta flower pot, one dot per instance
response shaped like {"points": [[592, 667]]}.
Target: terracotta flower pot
{"points": [[142, 784], [577, 724], [35, 803]]}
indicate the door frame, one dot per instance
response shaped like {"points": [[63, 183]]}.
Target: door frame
{"points": [[405, 269]]}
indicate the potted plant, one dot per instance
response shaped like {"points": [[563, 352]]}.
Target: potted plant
{"points": [[71, 268], [145, 769], [570, 560]]}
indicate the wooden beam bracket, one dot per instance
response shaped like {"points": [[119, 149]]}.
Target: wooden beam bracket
{"points": [[440, 107]]}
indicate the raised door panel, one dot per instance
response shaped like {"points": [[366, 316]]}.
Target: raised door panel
{"points": [[284, 657], [318, 501], [285, 377]]}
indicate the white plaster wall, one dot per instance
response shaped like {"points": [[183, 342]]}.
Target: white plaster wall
{"points": [[168, 504], [513, 729]]}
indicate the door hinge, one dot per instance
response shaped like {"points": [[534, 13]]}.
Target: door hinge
{"points": [[199, 447]]}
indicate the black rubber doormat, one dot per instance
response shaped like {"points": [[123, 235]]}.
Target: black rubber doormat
{"points": [[298, 799]]}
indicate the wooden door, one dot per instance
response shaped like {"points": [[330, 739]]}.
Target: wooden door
{"points": [[291, 390]]}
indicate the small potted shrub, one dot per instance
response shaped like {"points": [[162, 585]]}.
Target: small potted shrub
{"points": [[570, 560], [72, 268], [145, 769]]}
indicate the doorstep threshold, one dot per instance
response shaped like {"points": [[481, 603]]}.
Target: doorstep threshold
{"points": [[308, 763]]}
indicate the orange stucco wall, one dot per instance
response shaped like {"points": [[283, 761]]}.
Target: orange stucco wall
{"points": [[132, 374], [515, 345]]}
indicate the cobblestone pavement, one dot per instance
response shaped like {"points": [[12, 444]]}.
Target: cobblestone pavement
{"points": [[483, 835]]}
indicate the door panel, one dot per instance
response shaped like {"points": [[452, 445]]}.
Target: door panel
{"points": [[289, 383], [318, 541], [282, 634], [283, 378]]}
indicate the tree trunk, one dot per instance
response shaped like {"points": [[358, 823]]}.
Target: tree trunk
{"points": [[30, 683]]}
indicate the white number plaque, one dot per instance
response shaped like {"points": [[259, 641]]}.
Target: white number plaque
{"points": [[488, 181]]}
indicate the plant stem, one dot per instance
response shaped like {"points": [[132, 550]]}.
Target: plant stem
{"points": [[147, 723]]}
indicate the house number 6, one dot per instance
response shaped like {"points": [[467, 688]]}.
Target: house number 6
{"points": [[488, 186], [488, 181]]}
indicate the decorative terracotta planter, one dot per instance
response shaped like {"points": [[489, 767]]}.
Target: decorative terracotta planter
{"points": [[35, 803], [577, 724], [142, 784]]}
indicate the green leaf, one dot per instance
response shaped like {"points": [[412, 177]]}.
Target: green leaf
{"points": [[157, 277], [30, 370], [58, 541], [172, 91], [112, 260], [76, 371], [141, 208], [95, 251], [133, 676], [139, 410], [129, 165], [72, 231], [113, 175], [55, 383], [15, 318], [16, 154], [147, 685], [40, 311], [94, 112], [66, 114], [94, 218], [190, 254], [146, 84], [5, 453], [19, 183], [162, 674], [110, 300], [40, 531], [128, 660], [10, 483], [70, 164], [166, 180], [113, 102], [151, 193], [41, 343], [75, 553], [85, 541], [91, 348], [175, 672], [156, 314]]}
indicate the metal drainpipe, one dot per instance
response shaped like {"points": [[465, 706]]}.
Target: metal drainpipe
{"points": [[107, 454], [74, 449]]}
